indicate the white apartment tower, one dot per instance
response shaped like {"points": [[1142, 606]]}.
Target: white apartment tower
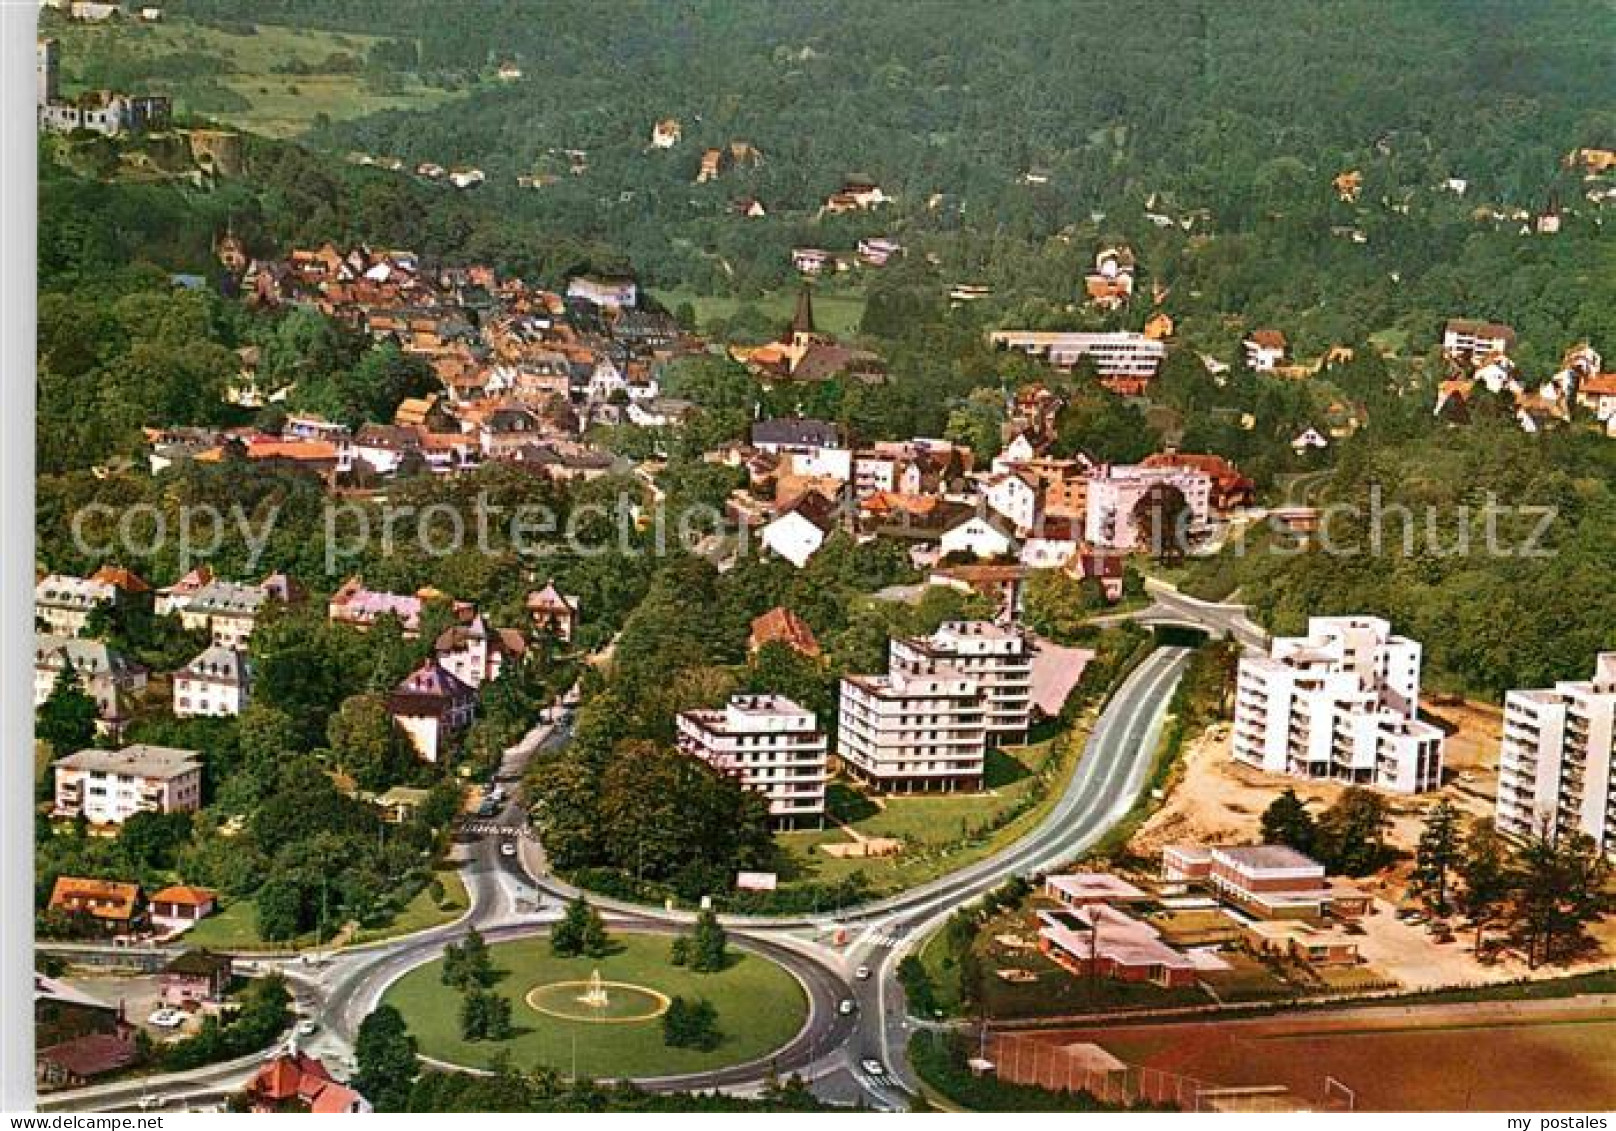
{"points": [[997, 658], [1554, 767], [773, 746], [1340, 703], [905, 733]]}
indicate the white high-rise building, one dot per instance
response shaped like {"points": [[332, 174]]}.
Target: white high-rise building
{"points": [[773, 746], [914, 733], [1554, 767], [1340, 703], [998, 658]]}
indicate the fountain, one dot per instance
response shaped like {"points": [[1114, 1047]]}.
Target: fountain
{"points": [[594, 996]]}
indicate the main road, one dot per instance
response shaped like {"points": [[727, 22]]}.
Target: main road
{"points": [[849, 956]]}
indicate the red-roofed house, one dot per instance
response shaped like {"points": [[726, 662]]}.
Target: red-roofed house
{"points": [[297, 1082], [781, 625], [181, 906]]}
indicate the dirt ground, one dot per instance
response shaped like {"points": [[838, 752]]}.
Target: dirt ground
{"points": [[137, 993], [1216, 800]]}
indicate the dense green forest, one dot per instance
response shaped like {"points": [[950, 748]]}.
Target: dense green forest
{"points": [[1233, 118]]}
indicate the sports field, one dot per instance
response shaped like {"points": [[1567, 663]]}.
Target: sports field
{"points": [[760, 1008]]}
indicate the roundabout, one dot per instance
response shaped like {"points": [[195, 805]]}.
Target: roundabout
{"points": [[602, 1017]]}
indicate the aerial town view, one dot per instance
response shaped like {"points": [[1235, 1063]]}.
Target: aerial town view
{"points": [[818, 556]]}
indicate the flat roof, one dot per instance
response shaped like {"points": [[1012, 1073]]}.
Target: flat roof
{"points": [[139, 760]]}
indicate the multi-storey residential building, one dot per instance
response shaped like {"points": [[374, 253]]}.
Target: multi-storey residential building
{"points": [[1115, 493], [431, 706], [1554, 768], [110, 786], [772, 746], [1340, 703], [1470, 341], [913, 733], [1125, 360], [226, 610], [218, 682], [108, 677], [996, 658], [64, 603]]}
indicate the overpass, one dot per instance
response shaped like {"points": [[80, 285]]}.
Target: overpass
{"points": [[1169, 608]]}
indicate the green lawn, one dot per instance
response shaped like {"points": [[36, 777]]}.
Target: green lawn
{"points": [[234, 78], [943, 832], [760, 1008], [836, 312], [236, 926]]}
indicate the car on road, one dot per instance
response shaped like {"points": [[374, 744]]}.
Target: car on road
{"points": [[308, 1027], [848, 1005], [507, 848], [166, 1018], [873, 1067], [862, 973]]}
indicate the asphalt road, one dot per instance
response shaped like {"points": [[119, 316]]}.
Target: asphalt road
{"points": [[513, 896]]}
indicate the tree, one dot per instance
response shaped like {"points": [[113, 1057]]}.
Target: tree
{"points": [[1438, 855], [1484, 870], [1352, 833], [282, 909], [1287, 821], [708, 944], [691, 1025], [581, 931], [1161, 520], [363, 741], [484, 1015], [467, 964], [151, 840], [66, 719], [385, 1055], [1561, 891]]}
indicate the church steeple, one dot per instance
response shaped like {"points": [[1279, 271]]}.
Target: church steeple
{"points": [[802, 322]]}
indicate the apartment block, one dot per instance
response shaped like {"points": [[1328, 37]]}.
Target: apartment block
{"points": [[996, 658], [772, 746], [1115, 494], [110, 786], [1554, 766], [907, 733], [1339, 703]]}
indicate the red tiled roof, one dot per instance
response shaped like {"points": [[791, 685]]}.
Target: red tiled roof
{"points": [[782, 625], [185, 894]]}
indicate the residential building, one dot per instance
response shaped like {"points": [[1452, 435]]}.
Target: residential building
{"points": [[227, 610], [217, 683], [1554, 766], [553, 612], [77, 1038], [181, 906], [913, 733], [782, 626], [614, 292], [110, 905], [475, 654], [1126, 361], [107, 787], [666, 133], [981, 536], [1119, 498], [64, 603], [1470, 341], [1340, 703], [195, 978], [1229, 488], [997, 659], [1013, 496], [358, 607], [106, 676], [801, 528], [1265, 349], [772, 747], [297, 1082], [431, 706]]}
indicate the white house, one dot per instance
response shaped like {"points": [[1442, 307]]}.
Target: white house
{"points": [[1265, 349], [800, 530], [110, 786], [218, 682], [981, 535], [1012, 497]]}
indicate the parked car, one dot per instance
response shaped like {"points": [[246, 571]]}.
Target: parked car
{"points": [[308, 1027], [873, 1067], [862, 973], [507, 848], [166, 1018]]}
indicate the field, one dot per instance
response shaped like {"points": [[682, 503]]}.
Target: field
{"points": [[1488, 1057], [760, 1008], [836, 312], [275, 81]]}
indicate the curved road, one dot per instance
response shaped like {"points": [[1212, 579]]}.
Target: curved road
{"points": [[513, 897]]}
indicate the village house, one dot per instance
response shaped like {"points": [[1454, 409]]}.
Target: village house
{"points": [[858, 193], [801, 528], [180, 907], [982, 536], [105, 675], [553, 612], [105, 905], [64, 603], [1229, 488], [107, 787], [1470, 342], [666, 133], [296, 1082], [875, 251], [217, 683], [195, 978], [782, 626], [1012, 496], [77, 1038], [1265, 350], [358, 607], [431, 706], [1109, 286], [475, 654]]}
